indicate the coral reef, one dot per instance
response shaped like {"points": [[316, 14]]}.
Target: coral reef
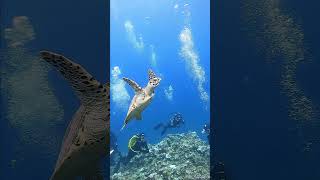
{"points": [[178, 156]]}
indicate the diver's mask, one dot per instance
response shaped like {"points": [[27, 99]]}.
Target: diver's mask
{"points": [[141, 136]]}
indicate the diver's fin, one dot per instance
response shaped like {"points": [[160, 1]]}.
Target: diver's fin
{"points": [[133, 84], [87, 88], [138, 116], [151, 74]]}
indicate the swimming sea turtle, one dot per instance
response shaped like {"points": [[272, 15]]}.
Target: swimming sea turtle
{"points": [[86, 140], [142, 98]]}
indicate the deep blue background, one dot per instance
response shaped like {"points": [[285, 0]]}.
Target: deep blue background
{"points": [[251, 124], [77, 29]]}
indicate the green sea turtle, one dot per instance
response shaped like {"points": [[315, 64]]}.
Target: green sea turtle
{"points": [[86, 140], [142, 98]]}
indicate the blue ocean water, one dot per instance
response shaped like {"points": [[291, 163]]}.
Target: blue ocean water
{"points": [[255, 136], [79, 31], [147, 35]]}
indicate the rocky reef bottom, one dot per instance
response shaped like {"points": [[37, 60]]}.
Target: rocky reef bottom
{"points": [[178, 156]]}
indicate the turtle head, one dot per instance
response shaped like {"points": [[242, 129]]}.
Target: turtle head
{"points": [[153, 80]]}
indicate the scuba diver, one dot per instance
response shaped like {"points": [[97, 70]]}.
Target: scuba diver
{"points": [[206, 130], [137, 144], [218, 171], [175, 122]]}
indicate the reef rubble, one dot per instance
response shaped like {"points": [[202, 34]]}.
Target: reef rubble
{"points": [[177, 156]]}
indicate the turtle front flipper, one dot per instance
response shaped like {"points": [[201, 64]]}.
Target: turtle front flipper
{"points": [[86, 87], [133, 84]]}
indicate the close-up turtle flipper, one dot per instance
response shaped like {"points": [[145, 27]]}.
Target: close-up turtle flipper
{"points": [[86, 138], [86, 87]]}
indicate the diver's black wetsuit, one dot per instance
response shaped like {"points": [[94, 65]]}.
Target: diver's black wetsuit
{"points": [[140, 146], [174, 122]]}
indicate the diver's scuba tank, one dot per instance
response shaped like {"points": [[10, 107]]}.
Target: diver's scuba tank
{"points": [[218, 172]]}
